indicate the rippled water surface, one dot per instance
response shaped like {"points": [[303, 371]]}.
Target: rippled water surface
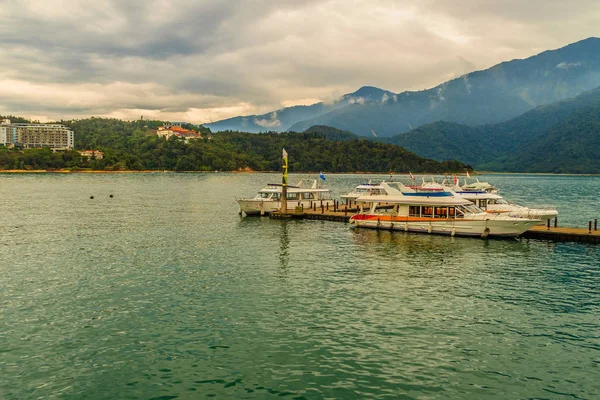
{"points": [[164, 291]]}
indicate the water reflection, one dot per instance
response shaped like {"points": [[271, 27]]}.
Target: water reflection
{"points": [[284, 246], [408, 243]]}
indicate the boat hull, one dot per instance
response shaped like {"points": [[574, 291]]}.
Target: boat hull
{"points": [[532, 213], [506, 227]]}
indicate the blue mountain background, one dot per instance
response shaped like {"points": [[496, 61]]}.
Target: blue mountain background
{"points": [[494, 95]]}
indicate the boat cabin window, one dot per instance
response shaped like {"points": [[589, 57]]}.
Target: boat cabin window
{"points": [[483, 203], [414, 211], [292, 196], [308, 196], [276, 196], [441, 212], [451, 212], [427, 211]]}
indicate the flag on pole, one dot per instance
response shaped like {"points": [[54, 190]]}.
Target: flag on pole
{"points": [[468, 176], [411, 175], [284, 168], [322, 176]]}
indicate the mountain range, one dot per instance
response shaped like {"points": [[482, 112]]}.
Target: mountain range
{"points": [[497, 94], [283, 119], [563, 137]]}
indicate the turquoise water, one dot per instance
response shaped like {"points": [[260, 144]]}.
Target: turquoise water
{"points": [[164, 291]]}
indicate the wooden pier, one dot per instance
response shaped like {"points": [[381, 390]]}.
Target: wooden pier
{"points": [[551, 233], [337, 216], [563, 234]]}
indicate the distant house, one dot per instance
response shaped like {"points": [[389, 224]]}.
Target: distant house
{"points": [[169, 130], [98, 155]]}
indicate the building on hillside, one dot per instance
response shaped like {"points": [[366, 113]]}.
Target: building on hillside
{"points": [[92, 154], [6, 133], [169, 130], [55, 136]]}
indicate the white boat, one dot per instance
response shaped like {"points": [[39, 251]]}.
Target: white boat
{"points": [[492, 202], [478, 187], [370, 189], [307, 193], [438, 212]]}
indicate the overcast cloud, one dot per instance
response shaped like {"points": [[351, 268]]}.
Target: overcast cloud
{"points": [[202, 61]]}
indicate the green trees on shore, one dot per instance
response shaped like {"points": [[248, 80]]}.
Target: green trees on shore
{"points": [[134, 146]]}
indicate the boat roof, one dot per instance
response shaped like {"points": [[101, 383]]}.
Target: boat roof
{"points": [[479, 195], [430, 199], [303, 186], [292, 189], [369, 186]]}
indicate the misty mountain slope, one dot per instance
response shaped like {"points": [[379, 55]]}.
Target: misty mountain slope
{"points": [[566, 133], [277, 121], [493, 95], [282, 120]]}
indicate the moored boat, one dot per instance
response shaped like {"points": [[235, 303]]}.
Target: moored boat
{"points": [[305, 194], [436, 212], [486, 198], [371, 189], [478, 187], [491, 202], [494, 203]]}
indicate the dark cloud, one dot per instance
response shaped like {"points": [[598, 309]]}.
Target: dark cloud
{"points": [[210, 59]]}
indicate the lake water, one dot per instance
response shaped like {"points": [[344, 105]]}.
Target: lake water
{"points": [[164, 291]]}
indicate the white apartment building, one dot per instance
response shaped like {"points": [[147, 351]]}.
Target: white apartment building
{"points": [[55, 136]]}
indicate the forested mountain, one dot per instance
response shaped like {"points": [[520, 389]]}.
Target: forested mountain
{"points": [[561, 137], [330, 133], [494, 95], [132, 146], [281, 120]]}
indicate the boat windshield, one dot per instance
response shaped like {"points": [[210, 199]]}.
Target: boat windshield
{"points": [[469, 209], [497, 201], [263, 195], [372, 191]]}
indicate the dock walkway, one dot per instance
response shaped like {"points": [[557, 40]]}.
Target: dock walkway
{"points": [[563, 234], [557, 234]]}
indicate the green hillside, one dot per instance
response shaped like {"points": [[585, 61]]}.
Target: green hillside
{"points": [[131, 145], [561, 137]]}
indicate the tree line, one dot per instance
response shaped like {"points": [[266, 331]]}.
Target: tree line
{"points": [[132, 145]]}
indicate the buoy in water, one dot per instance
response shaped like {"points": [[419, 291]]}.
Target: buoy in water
{"points": [[91, 197], [110, 195]]}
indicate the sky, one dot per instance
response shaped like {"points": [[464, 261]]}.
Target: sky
{"points": [[202, 61]]}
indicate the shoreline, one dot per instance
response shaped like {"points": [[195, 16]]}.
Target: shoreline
{"points": [[150, 171]]}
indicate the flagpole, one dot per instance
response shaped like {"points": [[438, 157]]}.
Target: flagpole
{"points": [[284, 180]]}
